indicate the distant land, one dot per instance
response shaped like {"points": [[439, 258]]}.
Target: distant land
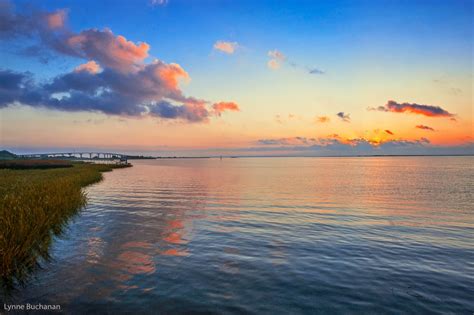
{"points": [[7, 155], [140, 157]]}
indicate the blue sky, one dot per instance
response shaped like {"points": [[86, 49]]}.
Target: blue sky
{"points": [[312, 32]]}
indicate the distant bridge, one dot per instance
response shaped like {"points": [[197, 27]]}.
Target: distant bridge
{"points": [[78, 156]]}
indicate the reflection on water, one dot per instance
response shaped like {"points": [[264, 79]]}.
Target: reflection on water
{"points": [[279, 235]]}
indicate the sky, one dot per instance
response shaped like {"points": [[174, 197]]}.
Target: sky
{"points": [[170, 77]]}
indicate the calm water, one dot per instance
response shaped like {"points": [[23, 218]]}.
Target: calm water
{"points": [[270, 235]]}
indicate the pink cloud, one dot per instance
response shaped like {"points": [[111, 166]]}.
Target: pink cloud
{"points": [[277, 58], [226, 47], [109, 50], [56, 19], [273, 64], [90, 66], [275, 54], [115, 79]]}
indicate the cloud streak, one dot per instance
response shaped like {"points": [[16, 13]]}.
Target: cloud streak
{"points": [[289, 141], [221, 107], [413, 108], [337, 145], [315, 71], [423, 127], [277, 59], [334, 145]]}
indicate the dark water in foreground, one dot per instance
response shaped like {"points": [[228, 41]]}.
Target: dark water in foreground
{"points": [[276, 235]]}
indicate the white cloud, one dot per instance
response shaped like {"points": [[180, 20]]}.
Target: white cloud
{"points": [[158, 2]]}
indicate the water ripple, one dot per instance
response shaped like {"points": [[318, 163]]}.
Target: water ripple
{"points": [[267, 236]]}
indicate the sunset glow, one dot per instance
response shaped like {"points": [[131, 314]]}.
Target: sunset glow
{"points": [[301, 80]]}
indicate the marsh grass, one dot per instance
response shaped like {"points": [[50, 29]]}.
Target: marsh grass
{"points": [[21, 164], [35, 206]]}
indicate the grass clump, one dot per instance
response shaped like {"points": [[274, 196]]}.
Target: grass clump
{"points": [[35, 206]]}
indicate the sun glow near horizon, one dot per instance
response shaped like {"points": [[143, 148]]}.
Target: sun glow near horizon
{"points": [[108, 83]]}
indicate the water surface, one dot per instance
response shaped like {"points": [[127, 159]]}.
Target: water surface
{"points": [[270, 235]]}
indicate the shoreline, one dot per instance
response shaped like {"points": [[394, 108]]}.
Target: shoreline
{"points": [[307, 156], [35, 206]]}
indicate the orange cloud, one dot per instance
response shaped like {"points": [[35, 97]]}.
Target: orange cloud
{"points": [[323, 119], [171, 73], [426, 110], [221, 107], [128, 85], [226, 47], [90, 66]]}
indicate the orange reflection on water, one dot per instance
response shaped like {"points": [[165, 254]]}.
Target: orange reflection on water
{"points": [[137, 245], [174, 252], [133, 259], [174, 238], [136, 263], [175, 224]]}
